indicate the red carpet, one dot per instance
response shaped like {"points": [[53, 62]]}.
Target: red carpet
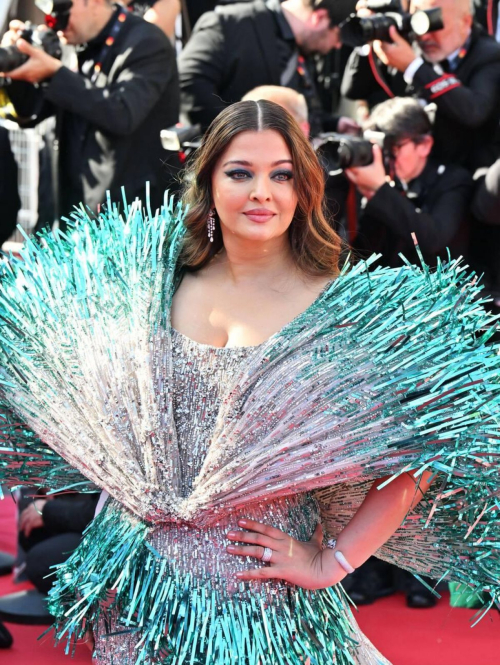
{"points": [[440, 636]]}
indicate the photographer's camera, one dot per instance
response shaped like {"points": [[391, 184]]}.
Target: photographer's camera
{"points": [[358, 31], [45, 37], [11, 57]]}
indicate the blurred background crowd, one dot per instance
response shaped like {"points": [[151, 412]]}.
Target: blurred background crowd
{"points": [[400, 100]]}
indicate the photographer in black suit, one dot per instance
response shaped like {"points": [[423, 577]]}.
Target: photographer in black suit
{"points": [[111, 111], [420, 196], [239, 47], [457, 68]]}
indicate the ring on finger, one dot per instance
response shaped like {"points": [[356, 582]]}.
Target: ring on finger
{"points": [[266, 555]]}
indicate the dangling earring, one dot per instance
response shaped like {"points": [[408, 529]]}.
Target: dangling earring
{"points": [[211, 224]]}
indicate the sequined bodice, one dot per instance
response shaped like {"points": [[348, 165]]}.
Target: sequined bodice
{"points": [[201, 375]]}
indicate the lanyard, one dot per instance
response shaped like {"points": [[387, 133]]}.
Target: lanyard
{"points": [[110, 40]]}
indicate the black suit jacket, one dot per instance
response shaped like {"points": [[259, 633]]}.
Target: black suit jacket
{"points": [[435, 208], [231, 51], [358, 81], [109, 131], [467, 100], [486, 204], [485, 255], [9, 195]]}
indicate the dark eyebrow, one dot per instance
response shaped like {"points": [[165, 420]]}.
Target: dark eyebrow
{"points": [[245, 163]]}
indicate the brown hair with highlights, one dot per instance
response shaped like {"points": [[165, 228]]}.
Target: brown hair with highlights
{"points": [[315, 245]]}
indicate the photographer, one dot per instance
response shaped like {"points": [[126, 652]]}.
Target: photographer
{"points": [[239, 47], [431, 200], [111, 111], [457, 68]]}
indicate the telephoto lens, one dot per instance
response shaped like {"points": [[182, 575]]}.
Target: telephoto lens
{"points": [[345, 151], [357, 31]]}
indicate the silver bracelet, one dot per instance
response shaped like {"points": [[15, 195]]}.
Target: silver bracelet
{"points": [[341, 560]]}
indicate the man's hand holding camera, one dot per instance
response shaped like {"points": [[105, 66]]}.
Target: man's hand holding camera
{"points": [[39, 66], [369, 179], [399, 54]]}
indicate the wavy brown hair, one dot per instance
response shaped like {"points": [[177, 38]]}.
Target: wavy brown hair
{"points": [[315, 245]]}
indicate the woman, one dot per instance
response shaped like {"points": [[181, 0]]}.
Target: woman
{"points": [[232, 390]]}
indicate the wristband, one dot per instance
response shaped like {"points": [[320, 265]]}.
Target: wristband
{"points": [[341, 560]]}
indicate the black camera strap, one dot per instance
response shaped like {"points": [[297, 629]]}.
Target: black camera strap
{"points": [[108, 44]]}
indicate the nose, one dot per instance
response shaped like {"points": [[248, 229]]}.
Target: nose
{"points": [[261, 190]]}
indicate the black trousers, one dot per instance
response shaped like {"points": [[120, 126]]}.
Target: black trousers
{"points": [[44, 550]]}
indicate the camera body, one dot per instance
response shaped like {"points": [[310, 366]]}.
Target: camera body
{"points": [[44, 37], [181, 138], [11, 57], [357, 31], [343, 151]]}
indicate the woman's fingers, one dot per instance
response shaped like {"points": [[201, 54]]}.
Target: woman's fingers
{"points": [[256, 551], [258, 537], [252, 538], [265, 529]]}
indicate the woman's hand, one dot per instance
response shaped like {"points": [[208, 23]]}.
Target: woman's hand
{"points": [[305, 564]]}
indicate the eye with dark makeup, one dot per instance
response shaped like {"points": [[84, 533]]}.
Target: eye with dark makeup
{"points": [[282, 176], [241, 174], [238, 174]]}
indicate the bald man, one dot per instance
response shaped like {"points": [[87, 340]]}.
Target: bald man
{"points": [[289, 99], [457, 68]]}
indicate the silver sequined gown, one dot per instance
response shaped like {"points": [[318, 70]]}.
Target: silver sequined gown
{"points": [[201, 376]]}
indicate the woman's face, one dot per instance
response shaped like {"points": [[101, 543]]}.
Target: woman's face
{"points": [[252, 186]]}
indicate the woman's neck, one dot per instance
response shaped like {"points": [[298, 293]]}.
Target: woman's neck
{"points": [[257, 262]]}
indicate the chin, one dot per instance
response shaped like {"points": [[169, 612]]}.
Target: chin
{"points": [[258, 233], [433, 56]]}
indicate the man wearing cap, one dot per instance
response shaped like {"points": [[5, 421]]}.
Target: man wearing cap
{"points": [[239, 47], [109, 109]]}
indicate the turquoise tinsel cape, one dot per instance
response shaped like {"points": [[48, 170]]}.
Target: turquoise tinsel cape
{"points": [[389, 371]]}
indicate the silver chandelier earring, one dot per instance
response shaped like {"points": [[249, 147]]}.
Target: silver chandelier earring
{"points": [[211, 224]]}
